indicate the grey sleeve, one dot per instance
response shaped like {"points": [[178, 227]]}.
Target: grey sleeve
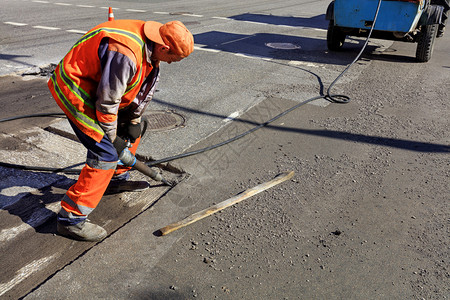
{"points": [[117, 71]]}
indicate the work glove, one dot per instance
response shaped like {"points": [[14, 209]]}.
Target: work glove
{"points": [[129, 131], [133, 131], [119, 144]]}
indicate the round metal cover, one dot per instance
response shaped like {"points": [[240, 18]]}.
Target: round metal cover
{"points": [[159, 120], [283, 46]]}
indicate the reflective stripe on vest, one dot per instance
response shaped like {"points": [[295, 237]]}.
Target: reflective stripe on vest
{"points": [[134, 37], [71, 110], [74, 82]]}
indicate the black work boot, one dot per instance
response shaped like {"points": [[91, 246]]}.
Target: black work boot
{"points": [[83, 231]]}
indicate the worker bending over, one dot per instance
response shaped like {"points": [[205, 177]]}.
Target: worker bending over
{"points": [[103, 85]]}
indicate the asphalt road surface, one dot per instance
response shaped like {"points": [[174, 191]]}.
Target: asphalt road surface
{"points": [[365, 217]]}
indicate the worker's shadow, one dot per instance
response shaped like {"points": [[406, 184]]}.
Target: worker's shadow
{"points": [[36, 207]]}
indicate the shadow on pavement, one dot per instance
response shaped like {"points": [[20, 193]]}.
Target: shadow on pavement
{"points": [[342, 135], [312, 22], [304, 48], [34, 208]]}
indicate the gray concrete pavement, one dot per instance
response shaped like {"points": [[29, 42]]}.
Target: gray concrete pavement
{"points": [[363, 218], [235, 49]]}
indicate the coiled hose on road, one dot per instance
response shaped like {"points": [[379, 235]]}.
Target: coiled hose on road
{"points": [[334, 98]]}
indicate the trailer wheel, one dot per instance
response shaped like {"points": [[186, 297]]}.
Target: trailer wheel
{"points": [[335, 37], [425, 42]]}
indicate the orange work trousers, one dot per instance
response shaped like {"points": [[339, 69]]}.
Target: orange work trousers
{"points": [[101, 165]]}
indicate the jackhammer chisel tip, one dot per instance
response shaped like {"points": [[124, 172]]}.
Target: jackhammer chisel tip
{"points": [[166, 182]]}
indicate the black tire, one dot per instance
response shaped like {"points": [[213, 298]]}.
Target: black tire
{"points": [[335, 37], [425, 42]]}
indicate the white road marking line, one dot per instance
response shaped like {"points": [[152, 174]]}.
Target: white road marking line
{"points": [[235, 54], [88, 6], [192, 15], [252, 56], [46, 27], [76, 31], [15, 23], [232, 116], [113, 8], [288, 26], [64, 4], [253, 22], [136, 10], [10, 233], [207, 49], [221, 18], [160, 12], [40, 1], [36, 219], [305, 63], [25, 272], [237, 40]]}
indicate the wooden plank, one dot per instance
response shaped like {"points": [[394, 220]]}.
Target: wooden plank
{"points": [[224, 204]]}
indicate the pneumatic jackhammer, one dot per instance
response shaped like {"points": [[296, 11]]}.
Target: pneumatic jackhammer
{"points": [[128, 159]]}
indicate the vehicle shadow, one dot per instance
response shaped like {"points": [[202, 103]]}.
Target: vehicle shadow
{"points": [[312, 22], [304, 48], [390, 55], [264, 46]]}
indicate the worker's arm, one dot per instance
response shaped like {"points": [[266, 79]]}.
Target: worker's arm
{"points": [[118, 69], [133, 112]]}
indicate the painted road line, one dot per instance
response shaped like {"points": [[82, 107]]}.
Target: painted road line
{"points": [[87, 6], [207, 49], [36, 219], [192, 15], [232, 116], [289, 26], [10, 233], [136, 10], [237, 40], [305, 63], [161, 13], [25, 272], [252, 56], [64, 4], [257, 23], [15, 23], [40, 1], [222, 18], [46, 27], [76, 31]]}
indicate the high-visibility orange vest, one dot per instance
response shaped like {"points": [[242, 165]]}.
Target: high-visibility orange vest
{"points": [[75, 80]]}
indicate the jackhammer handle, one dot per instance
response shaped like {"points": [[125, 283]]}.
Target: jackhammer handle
{"points": [[146, 170]]}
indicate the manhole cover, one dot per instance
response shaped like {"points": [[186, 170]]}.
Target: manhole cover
{"points": [[283, 46], [163, 120]]}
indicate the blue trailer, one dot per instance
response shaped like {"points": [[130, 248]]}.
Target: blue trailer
{"points": [[414, 21]]}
